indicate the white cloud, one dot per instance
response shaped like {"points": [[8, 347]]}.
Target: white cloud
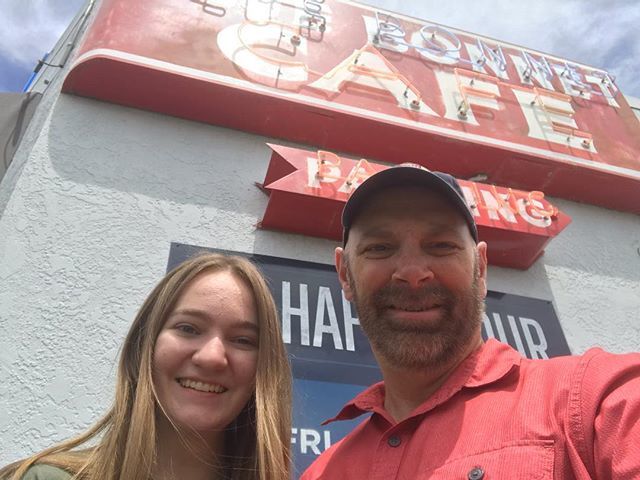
{"points": [[30, 28]]}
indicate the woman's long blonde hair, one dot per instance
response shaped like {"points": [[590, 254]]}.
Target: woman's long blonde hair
{"points": [[258, 444]]}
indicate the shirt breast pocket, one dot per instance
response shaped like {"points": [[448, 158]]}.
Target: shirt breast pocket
{"points": [[530, 459]]}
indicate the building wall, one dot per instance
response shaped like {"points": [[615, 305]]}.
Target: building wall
{"points": [[97, 193]]}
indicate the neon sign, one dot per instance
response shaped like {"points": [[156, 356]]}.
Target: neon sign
{"points": [[347, 77], [307, 190]]}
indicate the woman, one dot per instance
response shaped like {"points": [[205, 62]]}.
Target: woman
{"points": [[203, 388]]}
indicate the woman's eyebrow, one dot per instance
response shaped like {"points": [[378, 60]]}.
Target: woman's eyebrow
{"points": [[247, 325], [191, 312], [202, 314]]}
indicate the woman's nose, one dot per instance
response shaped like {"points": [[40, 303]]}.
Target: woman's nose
{"points": [[211, 354]]}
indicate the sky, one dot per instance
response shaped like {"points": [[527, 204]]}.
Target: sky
{"points": [[599, 33]]}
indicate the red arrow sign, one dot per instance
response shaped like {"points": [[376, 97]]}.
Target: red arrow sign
{"points": [[307, 191]]}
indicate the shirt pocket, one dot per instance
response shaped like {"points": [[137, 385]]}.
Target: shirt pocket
{"points": [[525, 459]]}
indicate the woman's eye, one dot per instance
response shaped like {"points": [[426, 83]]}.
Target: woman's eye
{"points": [[246, 341], [186, 328]]}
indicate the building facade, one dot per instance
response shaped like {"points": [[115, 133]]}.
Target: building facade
{"points": [[101, 198]]}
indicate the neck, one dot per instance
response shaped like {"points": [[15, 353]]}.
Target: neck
{"points": [[407, 389], [186, 454]]}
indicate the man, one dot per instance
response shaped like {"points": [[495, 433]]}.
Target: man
{"points": [[452, 406]]}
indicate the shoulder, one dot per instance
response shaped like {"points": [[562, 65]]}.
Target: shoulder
{"points": [[46, 472], [603, 413], [595, 369], [596, 366], [601, 375], [597, 390]]}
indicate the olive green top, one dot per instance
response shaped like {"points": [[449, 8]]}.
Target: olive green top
{"points": [[46, 472]]}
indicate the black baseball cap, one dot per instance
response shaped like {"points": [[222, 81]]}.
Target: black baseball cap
{"points": [[406, 174]]}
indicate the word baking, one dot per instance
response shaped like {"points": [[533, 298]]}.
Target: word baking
{"points": [[307, 191], [484, 201]]}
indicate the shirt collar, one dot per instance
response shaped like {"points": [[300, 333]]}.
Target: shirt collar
{"points": [[486, 365]]}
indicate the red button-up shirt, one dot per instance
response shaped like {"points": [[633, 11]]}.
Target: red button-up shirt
{"points": [[501, 416]]}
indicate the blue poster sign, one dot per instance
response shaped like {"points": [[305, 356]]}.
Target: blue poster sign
{"points": [[330, 357]]}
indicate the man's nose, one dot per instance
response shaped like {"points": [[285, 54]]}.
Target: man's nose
{"points": [[413, 268], [211, 354]]}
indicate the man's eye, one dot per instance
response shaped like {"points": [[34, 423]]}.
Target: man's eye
{"points": [[443, 247], [377, 248]]}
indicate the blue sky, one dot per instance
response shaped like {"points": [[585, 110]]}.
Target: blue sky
{"points": [[29, 29], [600, 33]]}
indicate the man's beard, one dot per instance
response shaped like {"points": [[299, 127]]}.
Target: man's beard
{"points": [[420, 345]]}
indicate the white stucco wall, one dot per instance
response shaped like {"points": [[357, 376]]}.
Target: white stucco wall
{"points": [[97, 193]]}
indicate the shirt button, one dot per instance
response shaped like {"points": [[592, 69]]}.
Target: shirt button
{"points": [[476, 474], [394, 441]]}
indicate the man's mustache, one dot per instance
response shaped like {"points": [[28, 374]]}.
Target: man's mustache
{"points": [[401, 294]]}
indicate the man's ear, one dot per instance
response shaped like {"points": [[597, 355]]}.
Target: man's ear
{"points": [[481, 248], [343, 277]]}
